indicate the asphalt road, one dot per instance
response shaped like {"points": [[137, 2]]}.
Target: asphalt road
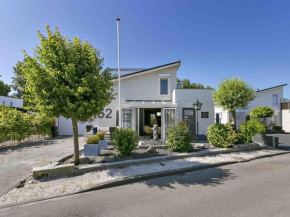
{"points": [[257, 188]]}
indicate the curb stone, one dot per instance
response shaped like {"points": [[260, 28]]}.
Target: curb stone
{"points": [[131, 180]]}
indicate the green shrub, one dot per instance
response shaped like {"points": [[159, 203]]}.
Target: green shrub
{"points": [[262, 112], [93, 139], [101, 135], [240, 139], [275, 127], [221, 135], [251, 128], [179, 138], [14, 125], [125, 141], [42, 124]]}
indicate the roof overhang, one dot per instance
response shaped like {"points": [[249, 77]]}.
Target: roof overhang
{"points": [[147, 71]]}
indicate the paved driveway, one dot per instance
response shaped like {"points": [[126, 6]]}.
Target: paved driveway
{"points": [[284, 140], [17, 164]]}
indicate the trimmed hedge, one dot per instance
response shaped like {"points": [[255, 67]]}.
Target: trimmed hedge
{"points": [[221, 135], [125, 141], [179, 138], [251, 128]]}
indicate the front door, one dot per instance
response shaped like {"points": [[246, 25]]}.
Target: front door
{"points": [[188, 115]]}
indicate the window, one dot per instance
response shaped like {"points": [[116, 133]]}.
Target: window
{"points": [[11, 104], [204, 114], [3, 102], [163, 86], [275, 99]]}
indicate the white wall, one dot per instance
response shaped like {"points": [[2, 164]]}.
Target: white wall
{"points": [[286, 120], [145, 87], [16, 102], [186, 97], [108, 120]]}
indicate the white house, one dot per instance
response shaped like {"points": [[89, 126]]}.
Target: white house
{"points": [[286, 116], [271, 97], [151, 96], [11, 101]]}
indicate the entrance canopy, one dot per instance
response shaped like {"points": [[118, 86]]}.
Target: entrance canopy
{"points": [[149, 104]]}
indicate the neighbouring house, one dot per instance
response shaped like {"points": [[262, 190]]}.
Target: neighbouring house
{"points": [[271, 97], [150, 96], [286, 116], [11, 101]]}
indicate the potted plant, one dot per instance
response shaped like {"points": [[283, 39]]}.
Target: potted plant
{"points": [[92, 146], [103, 142]]}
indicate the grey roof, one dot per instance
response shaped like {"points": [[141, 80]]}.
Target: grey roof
{"points": [[282, 85]]}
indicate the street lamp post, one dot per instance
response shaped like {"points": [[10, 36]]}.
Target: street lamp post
{"points": [[197, 106]]}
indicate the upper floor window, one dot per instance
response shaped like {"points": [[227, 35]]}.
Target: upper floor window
{"points": [[163, 86], [275, 99]]}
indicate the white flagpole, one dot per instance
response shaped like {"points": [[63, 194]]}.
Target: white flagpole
{"points": [[118, 42]]}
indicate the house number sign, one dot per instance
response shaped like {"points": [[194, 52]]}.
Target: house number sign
{"points": [[106, 114]]}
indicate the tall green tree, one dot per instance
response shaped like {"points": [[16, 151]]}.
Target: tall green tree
{"points": [[4, 88], [18, 81], [233, 93], [65, 77]]}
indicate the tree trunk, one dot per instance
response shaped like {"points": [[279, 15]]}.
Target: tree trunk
{"points": [[234, 121], [76, 141]]}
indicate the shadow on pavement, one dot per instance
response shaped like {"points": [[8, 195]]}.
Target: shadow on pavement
{"points": [[208, 177]]}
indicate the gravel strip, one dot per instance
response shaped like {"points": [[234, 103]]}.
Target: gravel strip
{"points": [[63, 185]]}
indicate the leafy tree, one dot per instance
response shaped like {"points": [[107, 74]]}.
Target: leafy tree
{"points": [[262, 112], [64, 77], [18, 81], [186, 84], [4, 88], [233, 93]]}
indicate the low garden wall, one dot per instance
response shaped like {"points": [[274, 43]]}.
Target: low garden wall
{"points": [[266, 140]]}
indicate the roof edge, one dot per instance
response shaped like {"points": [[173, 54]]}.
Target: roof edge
{"points": [[282, 85]]}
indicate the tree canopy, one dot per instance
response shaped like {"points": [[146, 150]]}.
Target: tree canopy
{"points": [[4, 88], [65, 77], [262, 112], [186, 84], [18, 81], [233, 93]]}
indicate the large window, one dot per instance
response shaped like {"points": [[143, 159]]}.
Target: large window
{"points": [[163, 86], [275, 99]]}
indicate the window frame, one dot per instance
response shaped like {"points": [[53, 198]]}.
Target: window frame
{"points": [[163, 77], [275, 95]]}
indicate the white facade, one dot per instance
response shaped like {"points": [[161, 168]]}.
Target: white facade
{"points": [[147, 94], [286, 117], [11, 101], [270, 97]]}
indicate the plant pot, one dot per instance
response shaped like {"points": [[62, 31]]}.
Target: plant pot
{"points": [[103, 144], [92, 149]]}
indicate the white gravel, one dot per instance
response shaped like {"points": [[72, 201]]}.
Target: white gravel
{"points": [[64, 185]]}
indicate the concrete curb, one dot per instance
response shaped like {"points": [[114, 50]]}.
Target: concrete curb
{"points": [[130, 180]]}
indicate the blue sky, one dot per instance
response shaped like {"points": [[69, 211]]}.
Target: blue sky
{"points": [[213, 39]]}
